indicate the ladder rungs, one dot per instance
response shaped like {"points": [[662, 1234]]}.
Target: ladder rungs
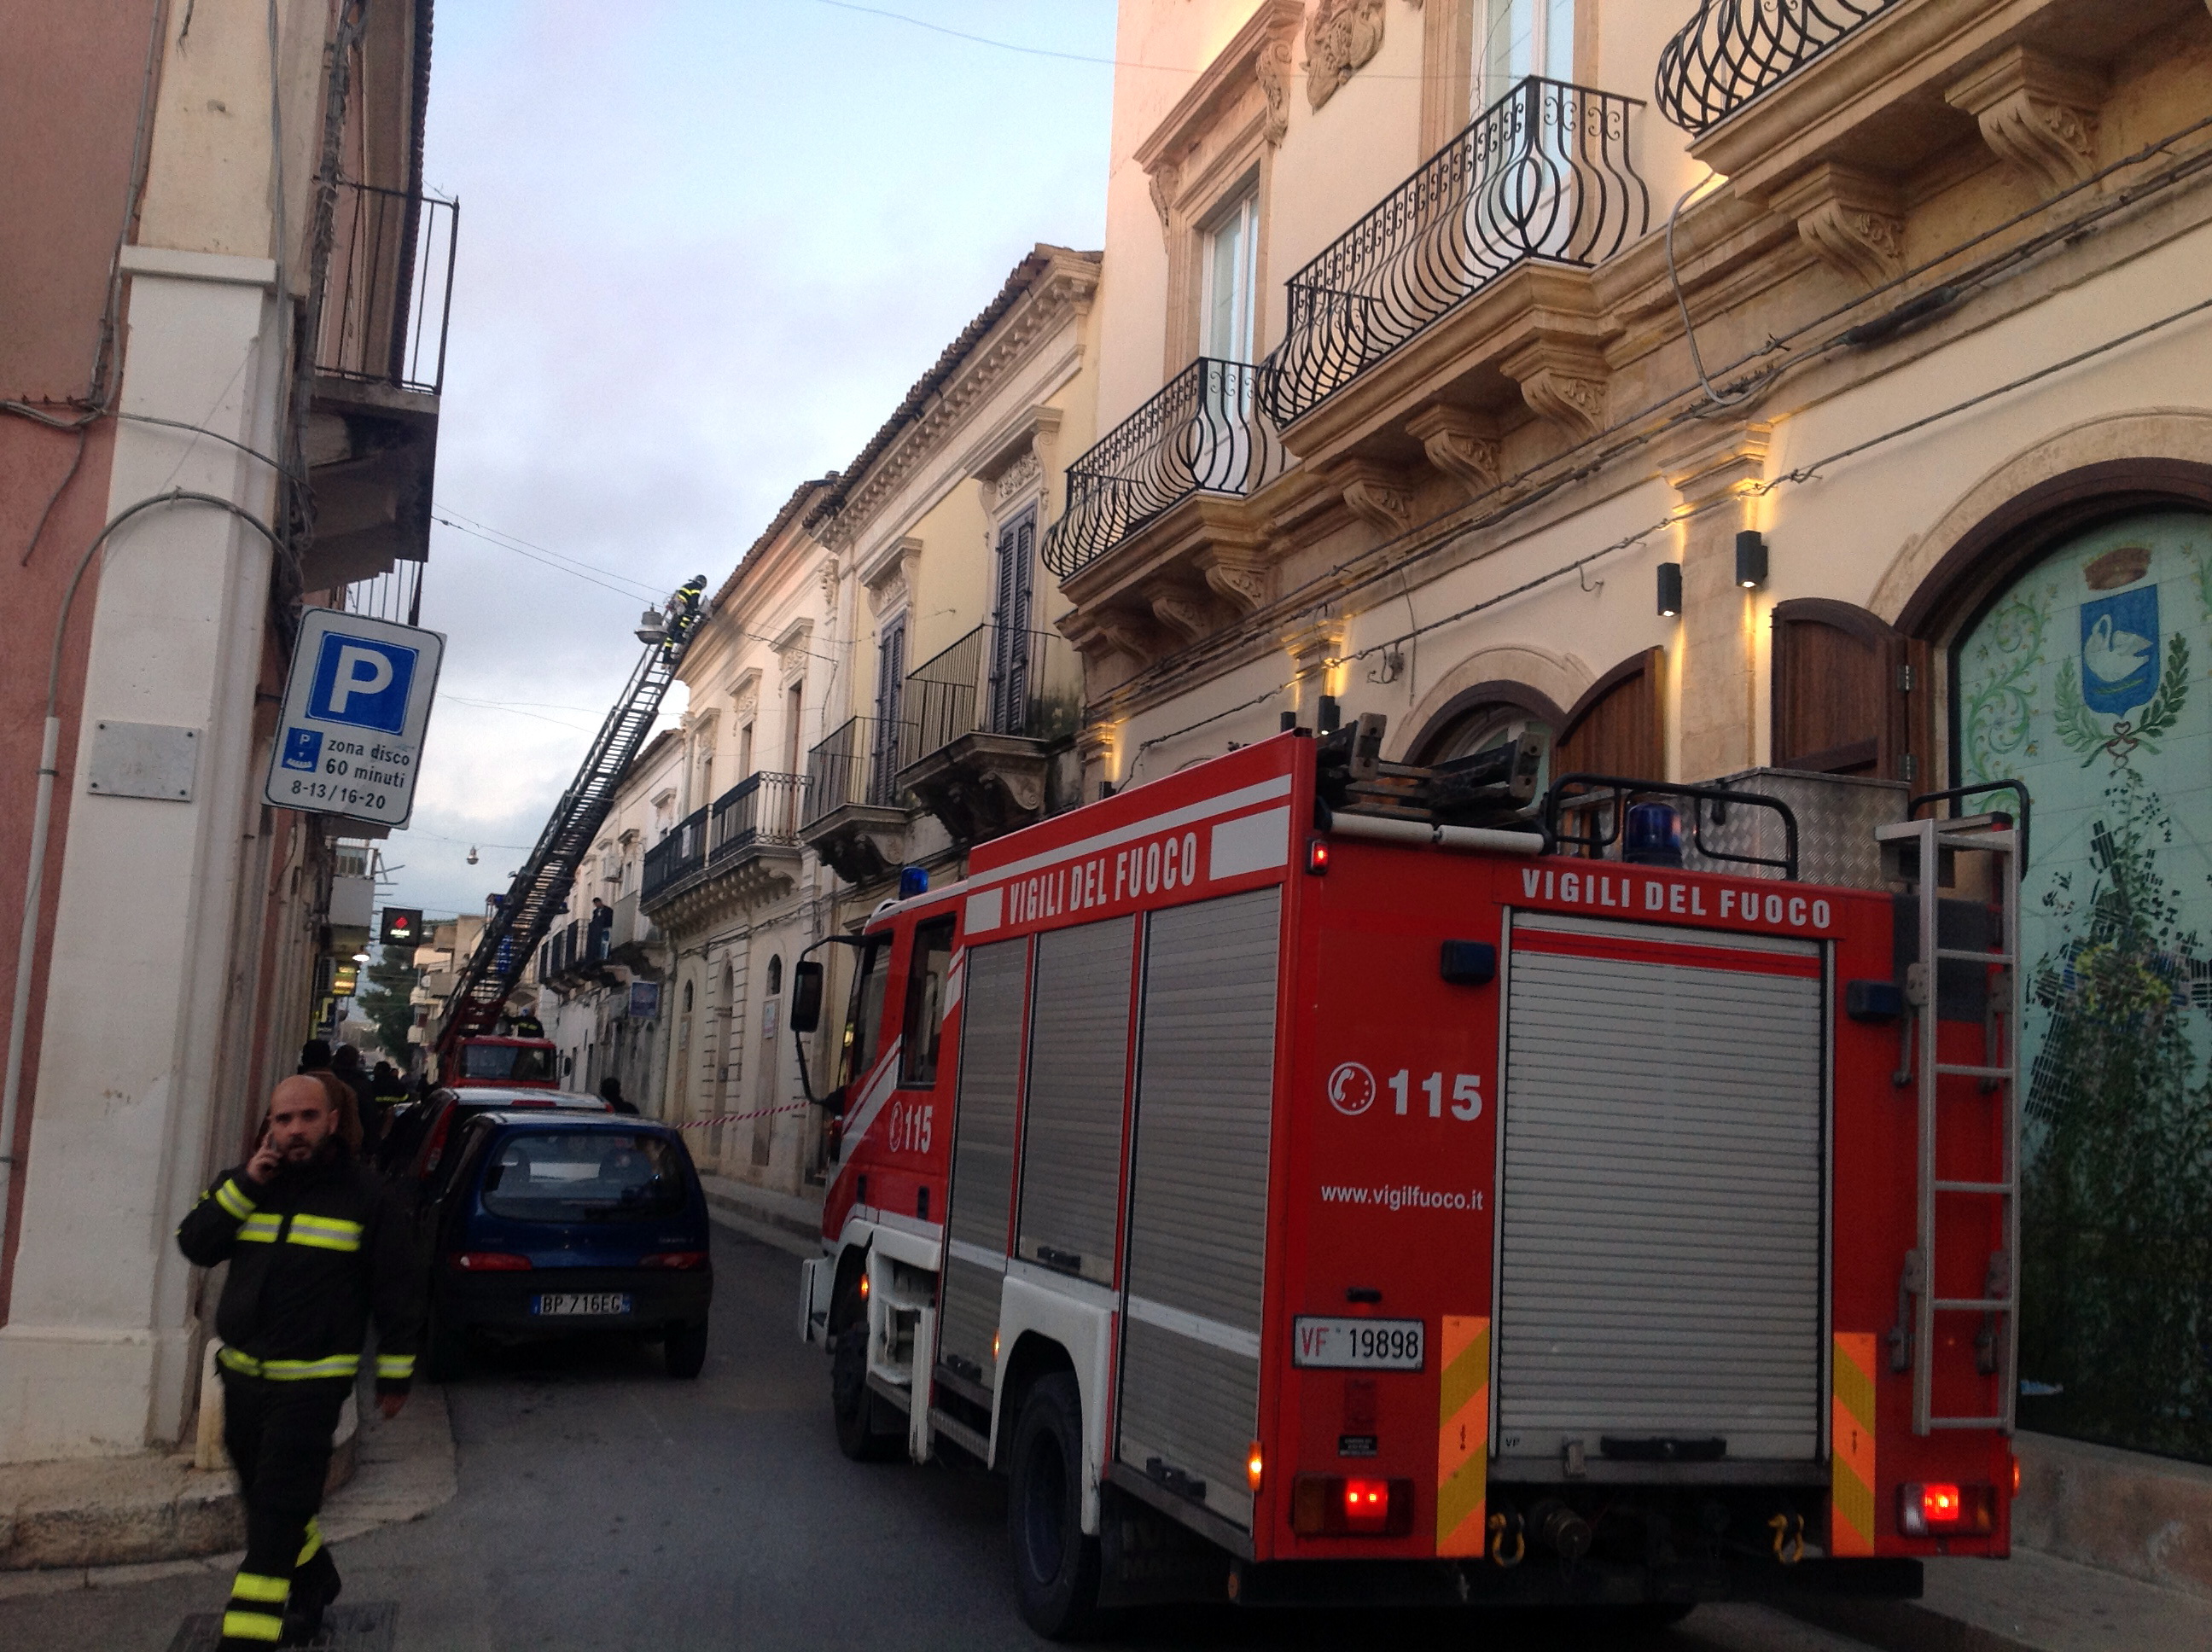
{"points": [[1972, 1304], [1962, 955], [1955, 1070], [1974, 1188], [1965, 1422]]}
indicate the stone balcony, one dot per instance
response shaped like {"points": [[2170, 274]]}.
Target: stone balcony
{"points": [[739, 852]]}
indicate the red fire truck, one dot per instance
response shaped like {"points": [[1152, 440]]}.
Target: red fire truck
{"points": [[1305, 1191]]}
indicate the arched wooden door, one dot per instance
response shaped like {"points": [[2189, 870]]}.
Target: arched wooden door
{"points": [[1846, 689]]}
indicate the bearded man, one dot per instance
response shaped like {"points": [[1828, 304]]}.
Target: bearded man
{"points": [[315, 1247]]}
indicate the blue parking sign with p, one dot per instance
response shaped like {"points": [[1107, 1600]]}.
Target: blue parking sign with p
{"points": [[363, 682]]}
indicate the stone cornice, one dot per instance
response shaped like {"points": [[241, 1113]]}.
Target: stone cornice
{"points": [[1058, 297], [1259, 50]]}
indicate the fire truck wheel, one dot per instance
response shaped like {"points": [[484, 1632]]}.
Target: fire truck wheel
{"points": [[851, 1401], [1056, 1565]]}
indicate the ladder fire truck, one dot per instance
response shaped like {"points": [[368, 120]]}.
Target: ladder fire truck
{"points": [[1312, 1179], [472, 1049]]}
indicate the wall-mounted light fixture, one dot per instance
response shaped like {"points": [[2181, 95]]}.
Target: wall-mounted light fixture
{"points": [[1751, 559], [1670, 589]]}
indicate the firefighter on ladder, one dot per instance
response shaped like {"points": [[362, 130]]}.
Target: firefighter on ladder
{"points": [[315, 1247]]}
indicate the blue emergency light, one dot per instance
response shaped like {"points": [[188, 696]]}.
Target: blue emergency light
{"points": [[1654, 835]]}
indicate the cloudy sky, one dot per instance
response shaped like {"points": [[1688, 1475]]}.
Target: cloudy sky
{"points": [[704, 250]]}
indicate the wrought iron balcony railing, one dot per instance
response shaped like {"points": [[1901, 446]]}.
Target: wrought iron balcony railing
{"points": [[1733, 49], [859, 763], [995, 680], [677, 856], [763, 807], [1543, 172], [388, 294], [1204, 433]]}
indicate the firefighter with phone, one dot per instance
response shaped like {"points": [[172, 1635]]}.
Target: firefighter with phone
{"points": [[316, 1248]]}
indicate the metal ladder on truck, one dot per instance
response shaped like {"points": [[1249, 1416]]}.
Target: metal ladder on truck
{"points": [[525, 917], [1919, 853]]}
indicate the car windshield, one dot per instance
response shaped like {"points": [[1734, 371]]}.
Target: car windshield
{"points": [[511, 1061], [586, 1174]]}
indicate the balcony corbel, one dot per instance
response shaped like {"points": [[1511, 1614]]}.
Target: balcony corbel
{"points": [[1461, 443], [1853, 219], [1562, 379], [2038, 113], [1379, 495], [1237, 573], [1193, 614]]}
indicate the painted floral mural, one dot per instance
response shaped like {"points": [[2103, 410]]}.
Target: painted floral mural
{"points": [[2086, 681]]}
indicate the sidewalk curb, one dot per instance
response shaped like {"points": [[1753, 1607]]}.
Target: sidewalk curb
{"points": [[787, 1223], [403, 1469]]}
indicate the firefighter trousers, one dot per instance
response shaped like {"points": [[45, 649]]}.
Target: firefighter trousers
{"points": [[278, 1435]]}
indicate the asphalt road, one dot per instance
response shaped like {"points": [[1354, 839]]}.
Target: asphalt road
{"points": [[603, 1506]]}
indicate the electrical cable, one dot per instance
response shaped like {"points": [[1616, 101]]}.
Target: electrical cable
{"points": [[1682, 303]]}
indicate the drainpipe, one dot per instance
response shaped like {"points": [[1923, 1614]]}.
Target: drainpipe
{"points": [[42, 812]]}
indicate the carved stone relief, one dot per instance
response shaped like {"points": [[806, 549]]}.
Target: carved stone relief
{"points": [[1238, 577], [1018, 480], [1562, 383], [1273, 67], [1342, 35], [1378, 495]]}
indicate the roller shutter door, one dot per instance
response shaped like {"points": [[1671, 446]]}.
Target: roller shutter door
{"points": [[1661, 1208], [982, 1155], [1073, 1106], [1198, 1194]]}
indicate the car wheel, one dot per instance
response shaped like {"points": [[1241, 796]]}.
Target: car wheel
{"points": [[445, 1347], [1055, 1564], [852, 1401], [685, 1350]]}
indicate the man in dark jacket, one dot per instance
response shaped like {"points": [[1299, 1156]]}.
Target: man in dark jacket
{"points": [[345, 1061], [315, 1248]]}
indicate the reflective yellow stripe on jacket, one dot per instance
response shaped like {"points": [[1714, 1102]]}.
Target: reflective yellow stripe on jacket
{"points": [[321, 1232], [232, 1199], [326, 1232], [252, 1626], [396, 1367], [290, 1370]]}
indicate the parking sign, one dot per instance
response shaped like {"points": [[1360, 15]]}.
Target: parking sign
{"points": [[355, 710]]}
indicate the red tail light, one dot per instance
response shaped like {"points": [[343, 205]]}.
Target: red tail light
{"points": [[491, 1261], [1943, 1508], [676, 1259], [1333, 1505]]}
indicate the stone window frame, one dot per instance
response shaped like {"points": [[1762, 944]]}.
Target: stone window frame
{"points": [[1448, 32]]}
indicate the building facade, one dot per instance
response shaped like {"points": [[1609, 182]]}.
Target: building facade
{"points": [[878, 686], [220, 404], [601, 975], [1710, 396]]}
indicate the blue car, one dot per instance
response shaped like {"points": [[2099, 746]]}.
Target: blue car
{"points": [[538, 1223]]}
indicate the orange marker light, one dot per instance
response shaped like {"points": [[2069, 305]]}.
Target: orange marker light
{"points": [[1256, 1466], [864, 1287], [995, 1347], [2015, 1477]]}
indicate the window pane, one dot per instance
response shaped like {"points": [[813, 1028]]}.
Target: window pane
{"points": [[590, 1175], [1224, 289], [1559, 39], [864, 1029], [925, 1003]]}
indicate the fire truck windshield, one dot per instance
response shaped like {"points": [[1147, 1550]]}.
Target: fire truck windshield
{"points": [[864, 1028], [927, 971], [517, 1063]]}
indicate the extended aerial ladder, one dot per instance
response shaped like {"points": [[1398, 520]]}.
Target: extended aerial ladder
{"points": [[520, 921]]}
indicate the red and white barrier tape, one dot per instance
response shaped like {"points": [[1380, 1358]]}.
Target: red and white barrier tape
{"points": [[733, 1118]]}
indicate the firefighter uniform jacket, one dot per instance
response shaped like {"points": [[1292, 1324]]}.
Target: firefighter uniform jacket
{"points": [[312, 1254]]}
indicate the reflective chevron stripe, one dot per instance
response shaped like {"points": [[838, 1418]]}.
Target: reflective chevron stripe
{"points": [[232, 1199]]}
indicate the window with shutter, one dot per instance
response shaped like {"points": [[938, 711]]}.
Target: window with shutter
{"points": [[1009, 684], [1841, 691]]}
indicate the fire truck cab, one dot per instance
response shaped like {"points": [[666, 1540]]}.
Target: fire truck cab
{"points": [[1305, 1191], [530, 1063]]}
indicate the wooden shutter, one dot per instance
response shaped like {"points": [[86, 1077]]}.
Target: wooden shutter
{"points": [[1843, 698], [1617, 726]]}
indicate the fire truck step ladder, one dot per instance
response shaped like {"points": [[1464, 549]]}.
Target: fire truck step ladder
{"points": [[1920, 852]]}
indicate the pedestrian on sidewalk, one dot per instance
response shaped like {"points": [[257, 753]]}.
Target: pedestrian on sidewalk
{"points": [[315, 1247], [610, 1093], [345, 1061]]}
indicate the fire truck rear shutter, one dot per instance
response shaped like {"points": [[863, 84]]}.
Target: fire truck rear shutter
{"points": [[1078, 1078], [1660, 1204], [1198, 1196], [982, 1154]]}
